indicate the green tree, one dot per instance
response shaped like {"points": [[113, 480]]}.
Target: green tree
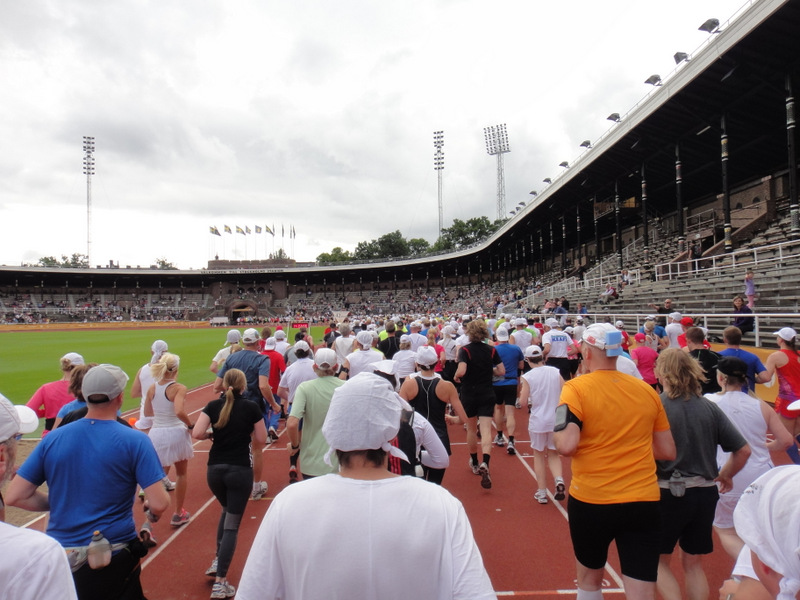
{"points": [[366, 251], [337, 255], [279, 254], [163, 263], [48, 261], [418, 246], [392, 245], [76, 261], [465, 233]]}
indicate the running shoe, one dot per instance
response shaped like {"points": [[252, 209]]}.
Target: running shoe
{"points": [[179, 519], [561, 489], [483, 471], [474, 467], [510, 448], [540, 496], [223, 589], [168, 485], [259, 490], [212, 570], [499, 440], [292, 474], [146, 535], [273, 434]]}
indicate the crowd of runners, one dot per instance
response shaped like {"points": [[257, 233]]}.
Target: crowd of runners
{"points": [[666, 440]]}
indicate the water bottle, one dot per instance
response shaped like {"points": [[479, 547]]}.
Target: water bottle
{"points": [[99, 553]]}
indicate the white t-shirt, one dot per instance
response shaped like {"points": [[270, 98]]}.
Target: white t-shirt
{"points": [[559, 343], [34, 566], [398, 538], [404, 363], [417, 340], [299, 371], [673, 330], [360, 359], [522, 338], [146, 380], [626, 365], [545, 391]]}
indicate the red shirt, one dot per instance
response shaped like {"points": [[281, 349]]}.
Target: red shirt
{"points": [[276, 368]]}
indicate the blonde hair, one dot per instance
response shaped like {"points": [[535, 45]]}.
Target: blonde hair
{"points": [[168, 363], [477, 331], [680, 374], [234, 381], [66, 364]]}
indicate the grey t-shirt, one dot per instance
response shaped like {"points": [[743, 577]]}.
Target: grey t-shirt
{"points": [[698, 426]]}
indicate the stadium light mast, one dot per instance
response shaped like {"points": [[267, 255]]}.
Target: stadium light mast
{"points": [[88, 169], [497, 143], [438, 165]]}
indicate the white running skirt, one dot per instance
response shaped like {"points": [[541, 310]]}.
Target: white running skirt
{"points": [[172, 444]]}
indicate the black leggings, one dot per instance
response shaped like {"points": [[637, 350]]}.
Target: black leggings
{"points": [[119, 580], [232, 486]]}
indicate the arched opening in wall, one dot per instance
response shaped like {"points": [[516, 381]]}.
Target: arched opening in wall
{"points": [[756, 200]]}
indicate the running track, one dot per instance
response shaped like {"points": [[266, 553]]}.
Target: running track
{"points": [[525, 545]]}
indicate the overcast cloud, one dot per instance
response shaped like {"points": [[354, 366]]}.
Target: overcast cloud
{"points": [[313, 114]]}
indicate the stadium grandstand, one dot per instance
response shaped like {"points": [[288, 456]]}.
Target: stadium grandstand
{"points": [[686, 191]]}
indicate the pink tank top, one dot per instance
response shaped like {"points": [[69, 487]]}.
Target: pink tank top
{"points": [[789, 377]]}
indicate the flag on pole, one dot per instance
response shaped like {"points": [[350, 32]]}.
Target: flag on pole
{"points": [[247, 229], [269, 231], [227, 229], [239, 230], [214, 230], [258, 228], [283, 233], [294, 234]]}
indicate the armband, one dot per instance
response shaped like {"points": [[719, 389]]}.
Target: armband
{"points": [[344, 370], [564, 416]]}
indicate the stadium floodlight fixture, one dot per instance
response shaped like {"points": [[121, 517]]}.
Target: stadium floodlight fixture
{"points": [[438, 165], [564, 164], [88, 170], [654, 79], [547, 180], [521, 203], [586, 144], [710, 26], [681, 57], [614, 117], [496, 145], [534, 193]]}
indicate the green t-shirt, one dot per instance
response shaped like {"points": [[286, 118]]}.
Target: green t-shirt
{"points": [[311, 402]]}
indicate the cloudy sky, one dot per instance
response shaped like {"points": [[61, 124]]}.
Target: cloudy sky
{"points": [[310, 114]]}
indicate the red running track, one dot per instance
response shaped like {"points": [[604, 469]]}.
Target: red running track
{"points": [[525, 545]]}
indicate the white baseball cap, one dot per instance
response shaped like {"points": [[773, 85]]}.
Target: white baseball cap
{"points": [[786, 333], [15, 419]]}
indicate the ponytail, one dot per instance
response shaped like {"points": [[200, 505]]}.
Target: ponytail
{"points": [[234, 381], [168, 363]]}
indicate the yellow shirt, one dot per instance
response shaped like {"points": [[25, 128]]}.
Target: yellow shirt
{"points": [[614, 460]]}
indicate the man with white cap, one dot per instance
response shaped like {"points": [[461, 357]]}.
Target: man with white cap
{"points": [[614, 427], [34, 565], [505, 386], [302, 369], [354, 515], [767, 517], [357, 361], [417, 339], [311, 402], [674, 329], [281, 345], [557, 347], [521, 337], [233, 337], [92, 468], [255, 367]]}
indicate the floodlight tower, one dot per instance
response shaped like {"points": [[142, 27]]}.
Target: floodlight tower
{"points": [[88, 169], [438, 165], [497, 143]]}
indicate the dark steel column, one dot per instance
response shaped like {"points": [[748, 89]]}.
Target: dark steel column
{"points": [[617, 218], [645, 237], [726, 192], [679, 199], [794, 209]]}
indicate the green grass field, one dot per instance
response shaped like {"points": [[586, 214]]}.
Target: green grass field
{"points": [[30, 359]]}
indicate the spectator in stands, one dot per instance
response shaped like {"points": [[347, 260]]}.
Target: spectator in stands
{"points": [[663, 310], [34, 565], [756, 371], [233, 337], [785, 363], [609, 294], [744, 323], [624, 279], [750, 288], [48, 399]]}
